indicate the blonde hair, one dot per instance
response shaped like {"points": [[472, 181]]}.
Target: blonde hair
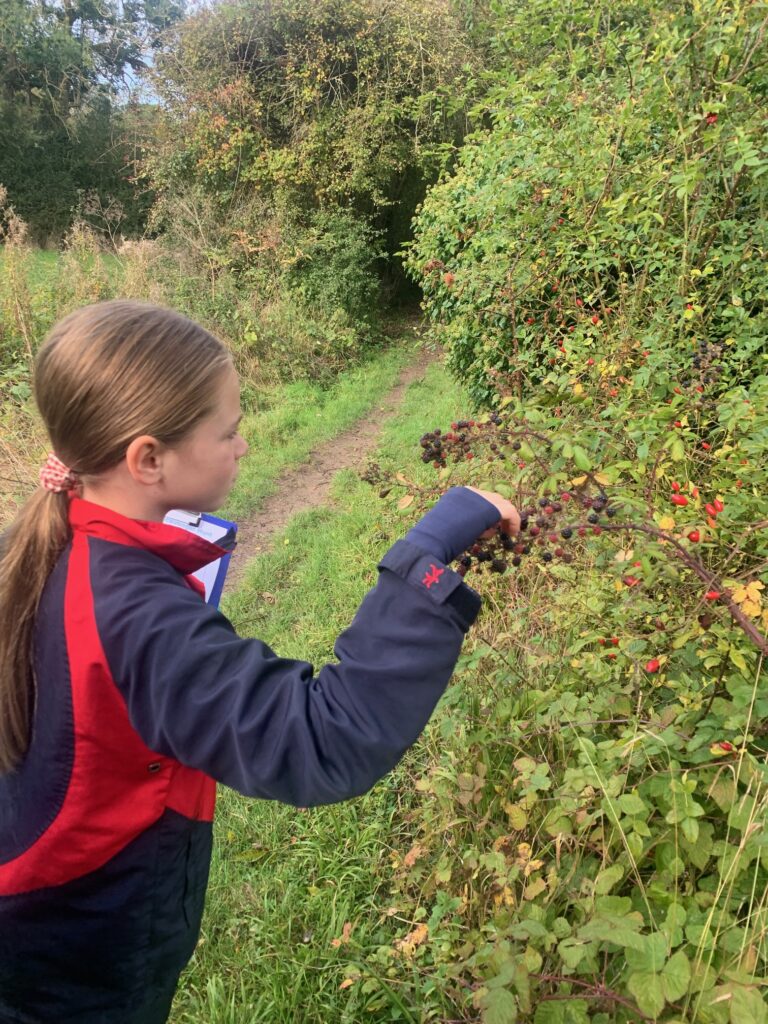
{"points": [[105, 375]]}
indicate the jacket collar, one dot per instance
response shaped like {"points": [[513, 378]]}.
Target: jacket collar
{"points": [[185, 551]]}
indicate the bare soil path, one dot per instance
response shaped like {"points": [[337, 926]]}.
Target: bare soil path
{"points": [[307, 485]]}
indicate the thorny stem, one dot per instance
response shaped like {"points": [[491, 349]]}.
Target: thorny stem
{"points": [[712, 581], [596, 991]]}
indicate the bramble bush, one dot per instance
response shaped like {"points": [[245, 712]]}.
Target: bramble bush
{"points": [[620, 191], [591, 843], [591, 839]]}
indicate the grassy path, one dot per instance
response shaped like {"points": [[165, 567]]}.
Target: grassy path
{"points": [[284, 882]]}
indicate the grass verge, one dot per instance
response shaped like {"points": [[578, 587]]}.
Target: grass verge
{"points": [[284, 882]]}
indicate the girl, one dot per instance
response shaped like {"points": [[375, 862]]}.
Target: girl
{"points": [[124, 697]]}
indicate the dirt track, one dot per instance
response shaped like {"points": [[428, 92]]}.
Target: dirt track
{"points": [[307, 485]]}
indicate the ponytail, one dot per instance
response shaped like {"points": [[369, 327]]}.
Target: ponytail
{"points": [[30, 550], [106, 374]]}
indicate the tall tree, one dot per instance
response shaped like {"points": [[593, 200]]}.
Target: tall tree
{"points": [[64, 64]]}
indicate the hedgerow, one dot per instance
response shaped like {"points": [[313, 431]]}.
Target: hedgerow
{"points": [[592, 843]]}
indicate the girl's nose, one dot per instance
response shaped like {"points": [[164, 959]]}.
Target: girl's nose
{"points": [[242, 448]]}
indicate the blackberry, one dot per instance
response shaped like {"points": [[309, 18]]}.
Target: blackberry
{"points": [[542, 523], [547, 556], [517, 560], [567, 533], [610, 512], [543, 502], [557, 507], [498, 565], [483, 557], [516, 446], [507, 542], [523, 522], [593, 517]]}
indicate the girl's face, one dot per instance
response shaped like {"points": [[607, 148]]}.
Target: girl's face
{"points": [[201, 471]]}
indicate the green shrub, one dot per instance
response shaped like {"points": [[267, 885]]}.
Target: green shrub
{"points": [[617, 202]]}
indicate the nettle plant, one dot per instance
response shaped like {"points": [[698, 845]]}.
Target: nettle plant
{"points": [[595, 845]]}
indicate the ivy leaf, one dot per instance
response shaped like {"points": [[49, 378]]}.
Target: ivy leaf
{"points": [[645, 986]]}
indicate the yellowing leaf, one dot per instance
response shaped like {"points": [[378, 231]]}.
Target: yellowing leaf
{"points": [[750, 592], [405, 501], [518, 819], [407, 945], [346, 933], [346, 983], [534, 889], [578, 481], [625, 555], [602, 478], [666, 523], [578, 389], [751, 608], [504, 898], [413, 855]]}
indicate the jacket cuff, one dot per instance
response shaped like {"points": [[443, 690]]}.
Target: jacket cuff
{"points": [[439, 583]]}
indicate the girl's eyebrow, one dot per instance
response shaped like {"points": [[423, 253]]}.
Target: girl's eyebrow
{"points": [[237, 422]]}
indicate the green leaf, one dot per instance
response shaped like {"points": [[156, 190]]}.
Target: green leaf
{"points": [[677, 450], [645, 986], [569, 1011], [608, 878], [676, 976], [499, 1007], [748, 1007], [630, 803], [651, 955], [581, 459], [620, 931]]}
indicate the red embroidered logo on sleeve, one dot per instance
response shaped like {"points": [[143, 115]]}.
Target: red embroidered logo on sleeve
{"points": [[433, 576]]}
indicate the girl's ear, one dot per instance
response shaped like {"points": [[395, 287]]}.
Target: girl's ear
{"points": [[144, 459]]}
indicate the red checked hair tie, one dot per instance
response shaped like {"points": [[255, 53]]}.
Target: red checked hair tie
{"points": [[55, 476]]}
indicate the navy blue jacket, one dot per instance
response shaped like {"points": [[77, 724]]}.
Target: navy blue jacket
{"points": [[145, 698]]}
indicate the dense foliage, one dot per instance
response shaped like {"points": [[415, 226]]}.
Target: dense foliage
{"points": [[62, 140], [596, 266]]}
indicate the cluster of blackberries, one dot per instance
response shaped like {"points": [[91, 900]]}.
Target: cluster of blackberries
{"points": [[540, 532], [457, 442], [706, 367]]}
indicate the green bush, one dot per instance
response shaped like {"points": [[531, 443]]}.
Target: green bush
{"points": [[616, 203], [334, 266]]}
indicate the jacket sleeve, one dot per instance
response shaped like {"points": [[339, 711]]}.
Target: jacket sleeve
{"points": [[272, 727]]}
